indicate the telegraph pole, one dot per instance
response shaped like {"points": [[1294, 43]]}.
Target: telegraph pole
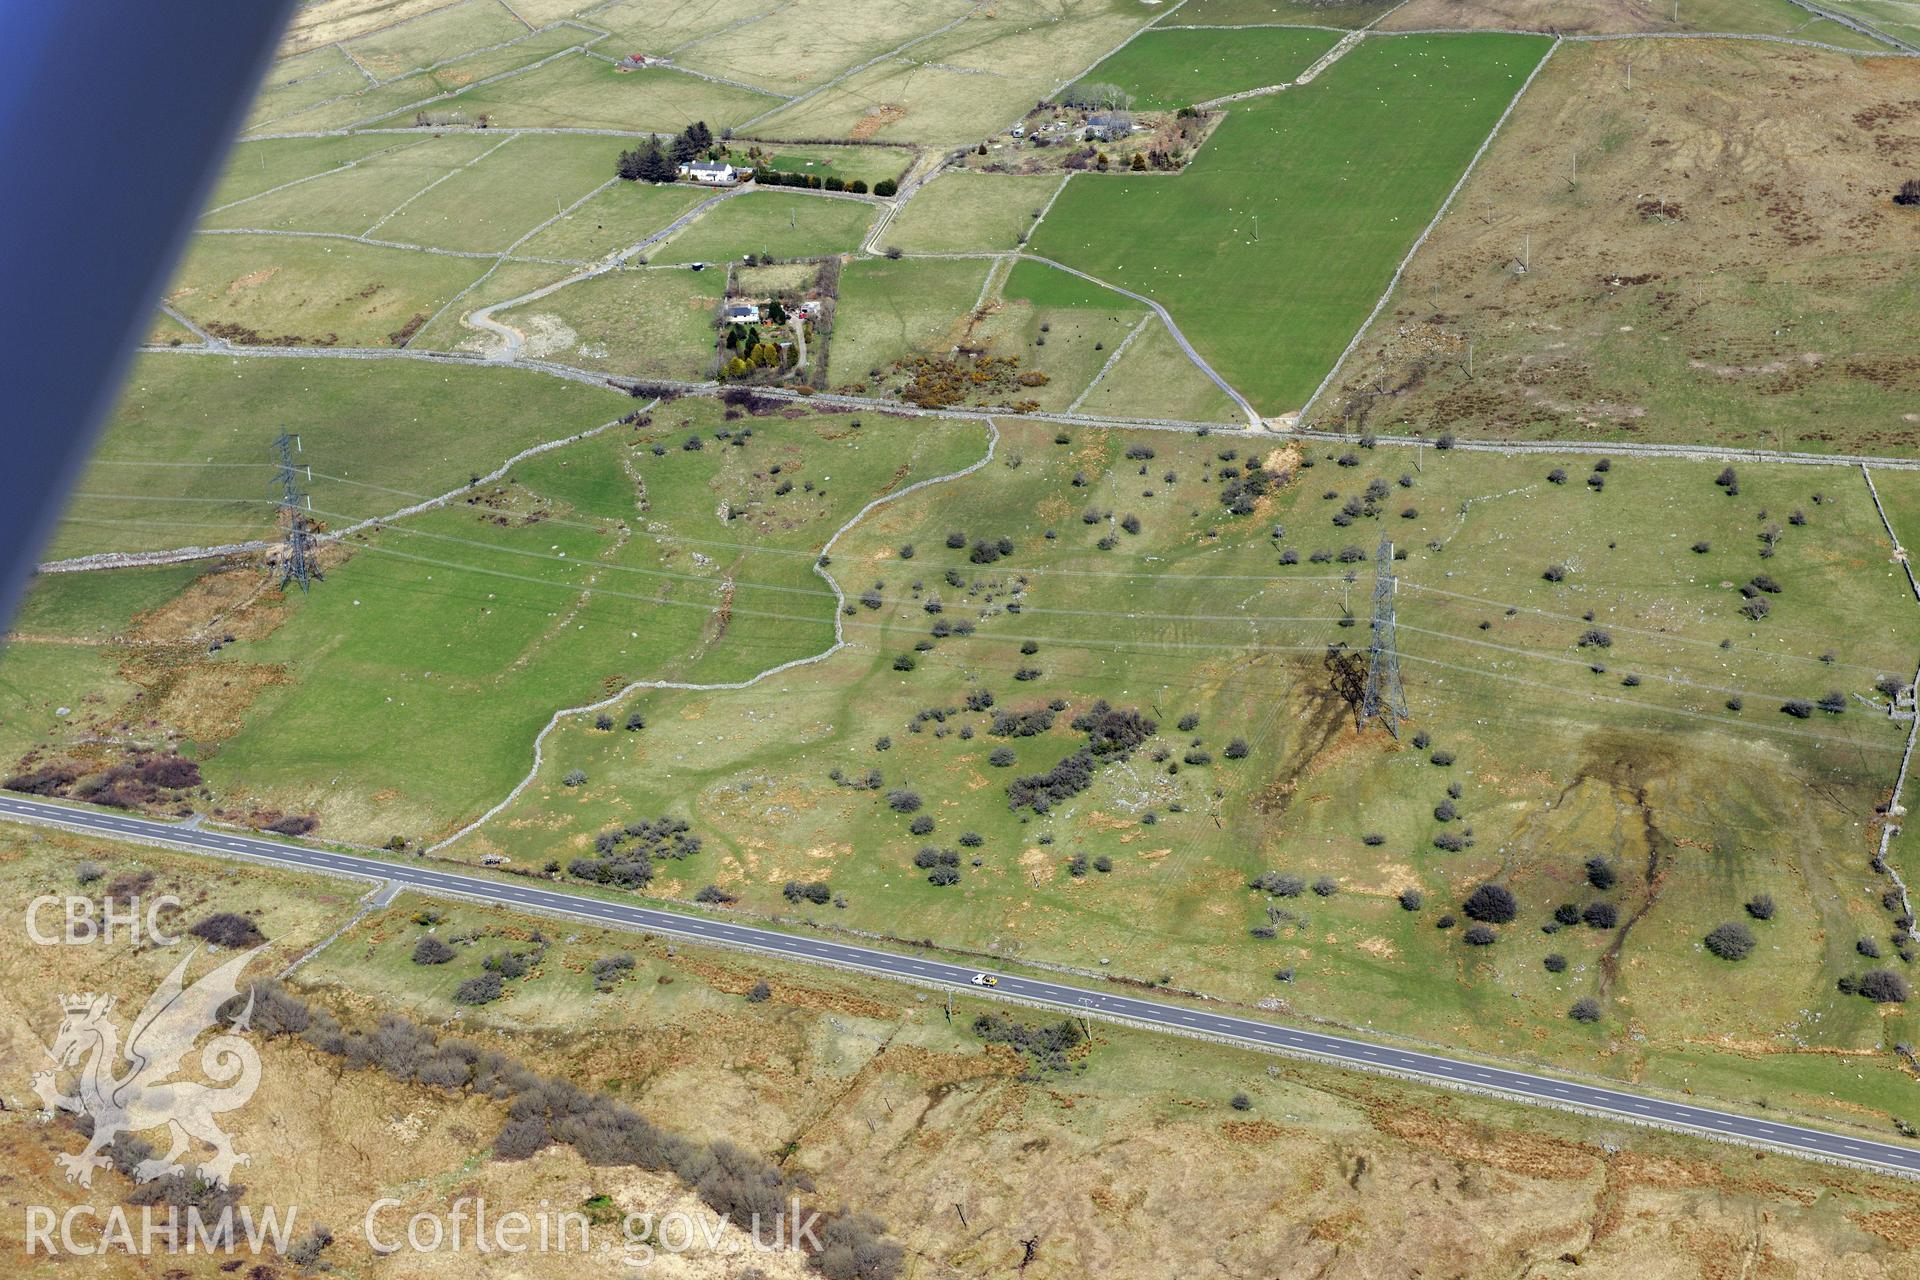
{"points": [[1384, 697], [299, 565]]}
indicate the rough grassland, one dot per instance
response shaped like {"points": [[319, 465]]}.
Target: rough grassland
{"points": [[351, 201], [643, 323], [276, 290], [798, 46], [1584, 17], [394, 102], [868, 1088], [443, 34], [295, 84], [489, 205], [326, 22], [1055, 324], [256, 167], [617, 218], [509, 280], [644, 26], [416, 682], [191, 442], [963, 212], [971, 81], [890, 310], [166, 331], [1342, 174], [583, 92], [783, 224], [1169, 69], [1696, 806], [1730, 266]]}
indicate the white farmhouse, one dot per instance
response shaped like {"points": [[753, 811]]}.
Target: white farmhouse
{"points": [[710, 173]]}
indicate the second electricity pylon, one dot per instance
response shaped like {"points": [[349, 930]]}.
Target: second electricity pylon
{"points": [[1384, 696], [299, 565]]}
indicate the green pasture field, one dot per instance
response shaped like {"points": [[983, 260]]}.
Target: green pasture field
{"points": [[1278, 13], [798, 46], [92, 608], [60, 652], [1894, 17], [419, 676], [434, 37], [318, 292], [189, 448], [784, 224], [1900, 495], [619, 217], [1696, 806], [1155, 379], [1177, 68], [969, 82], [351, 201], [393, 103], [641, 322], [890, 310], [962, 211], [1058, 325], [493, 203], [38, 680], [867, 164], [587, 93], [1342, 174], [255, 167]]}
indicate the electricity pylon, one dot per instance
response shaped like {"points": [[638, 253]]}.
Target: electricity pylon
{"points": [[1384, 697], [299, 565]]}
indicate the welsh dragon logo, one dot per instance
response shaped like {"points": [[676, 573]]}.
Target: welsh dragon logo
{"points": [[146, 1095]]}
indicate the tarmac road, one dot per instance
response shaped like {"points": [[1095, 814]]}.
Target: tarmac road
{"points": [[1108, 1005]]}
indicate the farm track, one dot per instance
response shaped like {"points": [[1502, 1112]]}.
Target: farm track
{"points": [[894, 408], [514, 341]]}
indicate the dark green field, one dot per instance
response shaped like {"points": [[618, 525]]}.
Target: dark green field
{"points": [[1177, 68], [1341, 174]]}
